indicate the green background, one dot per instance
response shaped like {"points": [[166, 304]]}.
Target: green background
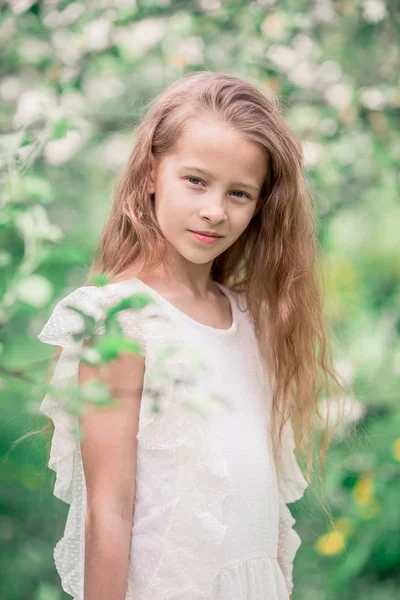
{"points": [[74, 80]]}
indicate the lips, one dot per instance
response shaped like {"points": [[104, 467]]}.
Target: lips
{"points": [[212, 235], [204, 239]]}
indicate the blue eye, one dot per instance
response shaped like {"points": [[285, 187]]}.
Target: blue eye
{"points": [[244, 194], [195, 178]]}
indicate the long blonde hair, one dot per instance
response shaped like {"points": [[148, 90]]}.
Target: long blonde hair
{"points": [[275, 260]]}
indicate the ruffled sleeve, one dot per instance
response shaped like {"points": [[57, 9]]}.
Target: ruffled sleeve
{"points": [[65, 456], [59, 330], [291, 484]]}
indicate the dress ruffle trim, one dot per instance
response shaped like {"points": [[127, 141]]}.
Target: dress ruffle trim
{"points": [[291, 481], [255, 579], [63, 445], [59, 330]]}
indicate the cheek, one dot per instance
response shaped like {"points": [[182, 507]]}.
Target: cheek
{"points": [[241, 218], [171, 208]]}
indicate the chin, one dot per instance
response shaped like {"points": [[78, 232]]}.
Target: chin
{"points": [[197, 258]]}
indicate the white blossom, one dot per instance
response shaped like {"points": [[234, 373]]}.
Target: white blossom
{"points": [[20, 6], [10, 88], [34, 223], [303, 74], [97, 35], [345, 370], [324, 12], [273, 26], [91, 355], [33, 105], [372, 98], [349, 410], [52, 19], [115, 150], [210, 4], [107, 87], [283, 56], [141, 36], [59, 151], [313, 153], [374, 10], [130, 3], [71, 13], [32, 50], [35, 290], [69, 46], [339, 95], [192, 49], [305, 46]]}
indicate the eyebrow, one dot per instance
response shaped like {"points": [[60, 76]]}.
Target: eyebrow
{"points": [[205, 172]]}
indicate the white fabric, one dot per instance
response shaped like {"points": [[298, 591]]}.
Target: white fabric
{"points": [[211, 519]]}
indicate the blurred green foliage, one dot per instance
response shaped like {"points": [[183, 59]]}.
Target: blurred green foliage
{"points": [[74, 80]]}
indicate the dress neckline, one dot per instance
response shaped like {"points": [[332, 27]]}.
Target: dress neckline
{"points": [[184, 316]]}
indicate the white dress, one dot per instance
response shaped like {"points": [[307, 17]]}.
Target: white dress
{"points": [[210, 517]]}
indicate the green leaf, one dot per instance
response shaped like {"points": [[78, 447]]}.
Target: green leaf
{"points": [[100, 279], [60, 129], [135, 302], [111, 347], [27, 140]]}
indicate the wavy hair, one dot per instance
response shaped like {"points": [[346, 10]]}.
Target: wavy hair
{"points": [[274, 262]]}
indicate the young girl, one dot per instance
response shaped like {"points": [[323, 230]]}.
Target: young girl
{"points": [[212, 220]]}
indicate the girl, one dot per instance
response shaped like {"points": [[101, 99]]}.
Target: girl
{"points": [[212, 221]]}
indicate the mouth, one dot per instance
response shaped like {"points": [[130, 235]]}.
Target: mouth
{"points": [[212, 235], [205, 238]]}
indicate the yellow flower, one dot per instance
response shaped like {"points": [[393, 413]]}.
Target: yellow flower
{"points": [[331, 543], [396, 449], [362, 491]]}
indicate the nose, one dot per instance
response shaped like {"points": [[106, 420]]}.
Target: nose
{"points": [[214, 210]]}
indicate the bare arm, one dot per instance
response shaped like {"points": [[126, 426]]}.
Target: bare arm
{"points": [[108, 449]]}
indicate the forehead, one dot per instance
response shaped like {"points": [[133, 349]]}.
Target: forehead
{"points": [[220, 149]]}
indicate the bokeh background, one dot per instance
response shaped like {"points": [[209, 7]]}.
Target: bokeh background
{"points": [[74, 80]]}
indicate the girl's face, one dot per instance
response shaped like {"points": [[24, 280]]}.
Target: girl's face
{"points": [[209, 182]]}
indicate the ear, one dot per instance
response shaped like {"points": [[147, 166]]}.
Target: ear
{"points": [[151, 184]]}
